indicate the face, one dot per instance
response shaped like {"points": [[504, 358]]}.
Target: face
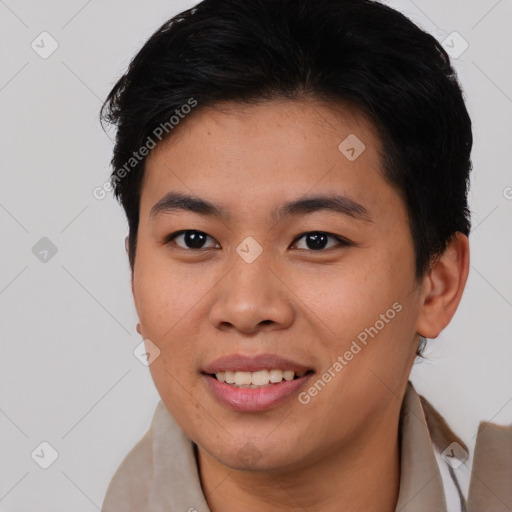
{"points": [[327, 286]]}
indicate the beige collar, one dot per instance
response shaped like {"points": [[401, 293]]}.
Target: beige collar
{"points": [[160, 473], [490, 488], [421, 484]]}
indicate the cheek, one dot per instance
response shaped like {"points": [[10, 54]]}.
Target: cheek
{"points": [[349, 298], [367, 317], [167, 293], [168, 303]]}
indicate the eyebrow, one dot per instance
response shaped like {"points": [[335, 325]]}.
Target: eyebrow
{"points": [[177, 201]]}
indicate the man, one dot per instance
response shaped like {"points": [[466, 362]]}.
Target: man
{"points": [[295, 176]]}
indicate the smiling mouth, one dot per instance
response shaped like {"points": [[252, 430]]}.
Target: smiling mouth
{"points": [[258, 379]]}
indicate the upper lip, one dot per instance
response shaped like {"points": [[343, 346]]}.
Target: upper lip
{"points": [[254, 363]]}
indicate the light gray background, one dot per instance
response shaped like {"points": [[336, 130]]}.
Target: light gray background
{"points": [[68, 373]]}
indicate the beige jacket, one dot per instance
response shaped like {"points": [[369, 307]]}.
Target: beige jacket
{"points": [[160, 473]]}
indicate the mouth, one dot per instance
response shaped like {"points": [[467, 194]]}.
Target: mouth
{"points": [[258, 379], [255, 382], [255, 391]]}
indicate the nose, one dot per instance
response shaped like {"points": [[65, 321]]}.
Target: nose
{"points": [[251, 298]]}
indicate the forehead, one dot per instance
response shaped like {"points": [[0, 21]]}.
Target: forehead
{"points": [[243, 156]]}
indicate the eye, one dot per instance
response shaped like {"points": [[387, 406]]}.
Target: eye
{"points": [[318, 240], [191, 238]]}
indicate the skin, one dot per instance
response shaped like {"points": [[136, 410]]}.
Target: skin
{"points": [[340, 451]]}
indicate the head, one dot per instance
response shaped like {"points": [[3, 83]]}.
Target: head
{"points": [[295, 176]]}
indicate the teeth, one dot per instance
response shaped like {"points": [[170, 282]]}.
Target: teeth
{"points": [[288, 375], [259, 378], [242, 378], [276, 375]]}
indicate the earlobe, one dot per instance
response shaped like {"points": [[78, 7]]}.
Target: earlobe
{"points": [[443, 286], [138, 327], [127, 248]]}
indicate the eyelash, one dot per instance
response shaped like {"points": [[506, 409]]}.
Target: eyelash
{"points": [[342, 242]]}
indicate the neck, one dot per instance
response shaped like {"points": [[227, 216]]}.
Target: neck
{"points": [[361, 476]]}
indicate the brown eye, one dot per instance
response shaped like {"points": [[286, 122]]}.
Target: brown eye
{"points": [[191, 239], [318, 240]]}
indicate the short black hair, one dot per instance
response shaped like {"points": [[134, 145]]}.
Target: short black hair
{"points": [[359, 52]]}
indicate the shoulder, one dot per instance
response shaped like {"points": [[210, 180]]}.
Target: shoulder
{"points": [[490, 488], [128, 490], [490, 478]]}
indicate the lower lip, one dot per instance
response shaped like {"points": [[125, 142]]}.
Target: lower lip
{"points": [[255, 399]]}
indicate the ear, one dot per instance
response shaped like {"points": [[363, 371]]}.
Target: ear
{"points": [[126, 246], [136, 309], [127, 249], [442, 288]]}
